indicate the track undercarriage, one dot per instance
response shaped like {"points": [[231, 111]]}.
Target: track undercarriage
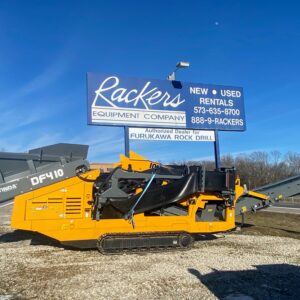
{"points": [[141, 242]]}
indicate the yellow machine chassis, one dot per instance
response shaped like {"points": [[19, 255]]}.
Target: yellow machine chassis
{"points": [[63, 211]]}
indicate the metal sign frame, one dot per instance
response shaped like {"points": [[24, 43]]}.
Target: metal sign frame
{"points": [[115, 100], [127, 101]]}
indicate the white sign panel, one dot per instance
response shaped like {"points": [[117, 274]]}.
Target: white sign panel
{"points": [[163, 134], [132, 116]]}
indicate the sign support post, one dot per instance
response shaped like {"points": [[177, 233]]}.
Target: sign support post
{"points": [[126, 137], [217, 150]]}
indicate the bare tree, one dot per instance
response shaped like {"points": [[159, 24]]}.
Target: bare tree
{"points": [[259, 168], [293, 161]]}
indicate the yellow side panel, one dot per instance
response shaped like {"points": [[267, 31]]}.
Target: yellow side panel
{"points": [[44, 208], [64, 203]]}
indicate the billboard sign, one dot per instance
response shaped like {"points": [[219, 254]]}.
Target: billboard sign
{"points": [[136, 102], [170, 134]]}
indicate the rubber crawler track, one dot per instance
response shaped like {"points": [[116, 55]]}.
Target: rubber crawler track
{"points": [[144, 242]]}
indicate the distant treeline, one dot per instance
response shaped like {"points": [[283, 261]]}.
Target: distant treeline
{"points": [[259, 168]]}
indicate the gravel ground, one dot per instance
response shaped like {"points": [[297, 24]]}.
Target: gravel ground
{"points": [[232, 266]]}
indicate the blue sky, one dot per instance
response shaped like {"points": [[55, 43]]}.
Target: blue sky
{"points": [[46, 48]]}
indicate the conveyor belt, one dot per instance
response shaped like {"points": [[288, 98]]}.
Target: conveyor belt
{"points": [[282, 189], [278, 190], [24, 172]]}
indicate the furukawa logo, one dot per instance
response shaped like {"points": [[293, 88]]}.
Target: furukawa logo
{"points": [[110, 93], [8, 188]]}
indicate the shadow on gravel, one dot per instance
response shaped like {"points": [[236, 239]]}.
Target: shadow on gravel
{"points": [[279, 281], [35, 239], [22, 235], [204, 237], [245, 226]]}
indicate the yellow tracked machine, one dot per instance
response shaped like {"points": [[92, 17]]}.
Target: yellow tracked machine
{"points": [[139, 205]]}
